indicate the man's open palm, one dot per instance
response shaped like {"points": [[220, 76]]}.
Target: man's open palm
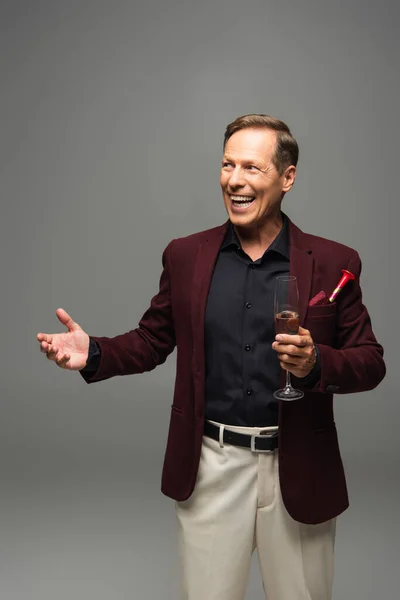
{"points": [[68, 350]]}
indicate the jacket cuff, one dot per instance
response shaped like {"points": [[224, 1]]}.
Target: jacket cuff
{"points": [[93, 361]]}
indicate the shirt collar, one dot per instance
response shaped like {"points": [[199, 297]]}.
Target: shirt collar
{"points": [[280, 243]]}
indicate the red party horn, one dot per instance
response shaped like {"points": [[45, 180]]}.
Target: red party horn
{"points": [[347, 276]]}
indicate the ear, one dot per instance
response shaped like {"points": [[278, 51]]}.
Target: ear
{"points": [[288, 178]]}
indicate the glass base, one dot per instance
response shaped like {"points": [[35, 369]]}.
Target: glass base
{"points": [[288, 393]]}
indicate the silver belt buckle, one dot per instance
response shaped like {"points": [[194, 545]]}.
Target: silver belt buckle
{"points": [[253, 441]]}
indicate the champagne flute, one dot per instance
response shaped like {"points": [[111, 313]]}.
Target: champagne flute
{"points": [[286, 310]]}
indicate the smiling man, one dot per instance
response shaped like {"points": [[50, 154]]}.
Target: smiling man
{"points": [[245, 470], [254, 181]]}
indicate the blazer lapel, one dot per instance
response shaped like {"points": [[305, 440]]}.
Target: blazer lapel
{"points": [[301, 266], [206, 258]]}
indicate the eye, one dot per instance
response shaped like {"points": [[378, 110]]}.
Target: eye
{"points": [[252, 168], [226, 165]]}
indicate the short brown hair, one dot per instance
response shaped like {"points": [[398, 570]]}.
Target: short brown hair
{"points": [[287, 149]]}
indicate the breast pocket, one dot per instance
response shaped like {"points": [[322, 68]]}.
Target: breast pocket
{"points": [[321, 322]]}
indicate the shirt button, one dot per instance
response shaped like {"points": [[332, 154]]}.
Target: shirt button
{"points": [[247, 347], [249, 391], [248, 305], [252, 266]]}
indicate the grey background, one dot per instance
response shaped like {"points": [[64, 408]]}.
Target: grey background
{"points": [[112, 121]]}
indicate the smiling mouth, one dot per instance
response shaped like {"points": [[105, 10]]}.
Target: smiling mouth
{"points": [[242, 201]]}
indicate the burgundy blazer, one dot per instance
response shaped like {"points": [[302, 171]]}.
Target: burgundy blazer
{"points": [[311, 472]]}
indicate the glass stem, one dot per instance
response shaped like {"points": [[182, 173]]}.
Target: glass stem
{"points": [[288, 382]]}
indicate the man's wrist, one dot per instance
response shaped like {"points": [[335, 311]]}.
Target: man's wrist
{"points": [[312, 378], [93, 359]]}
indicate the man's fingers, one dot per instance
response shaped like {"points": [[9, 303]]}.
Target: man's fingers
{"points": [[293, 351], [44, 337], [67, 320], [296, 353], [44, 347], [51, 353], [287, 366], [62, 361], [287, 358], [297, 340], [293, 361], [303, 331]]}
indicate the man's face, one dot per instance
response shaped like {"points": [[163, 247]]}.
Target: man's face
{"points": [[251, 185]]}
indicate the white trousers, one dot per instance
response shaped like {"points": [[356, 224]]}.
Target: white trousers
{"points": [[236, 507]]}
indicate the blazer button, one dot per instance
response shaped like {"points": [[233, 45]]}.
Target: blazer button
{"points": [[332, 389]]}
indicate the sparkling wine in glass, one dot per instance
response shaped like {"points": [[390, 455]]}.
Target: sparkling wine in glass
{"points": [[286, 309]]}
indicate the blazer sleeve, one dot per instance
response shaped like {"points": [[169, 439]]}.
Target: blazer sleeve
{"points": [[355, 363], [145, 347]]}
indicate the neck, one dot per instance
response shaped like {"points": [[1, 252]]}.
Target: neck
{"points": [[260, 237]]}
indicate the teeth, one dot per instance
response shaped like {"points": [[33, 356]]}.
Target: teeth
{"points": [[242, 201], [246, 199]]}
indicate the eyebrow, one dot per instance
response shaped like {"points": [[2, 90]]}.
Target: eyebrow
{"points": [[248, 161]]}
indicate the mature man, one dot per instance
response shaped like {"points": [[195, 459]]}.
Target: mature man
{"points": [[245, 470]]}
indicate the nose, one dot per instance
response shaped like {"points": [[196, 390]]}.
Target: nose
{"points": [[236, 179]]}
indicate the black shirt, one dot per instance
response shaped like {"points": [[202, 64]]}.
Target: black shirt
{"points": [[242, 369]]}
